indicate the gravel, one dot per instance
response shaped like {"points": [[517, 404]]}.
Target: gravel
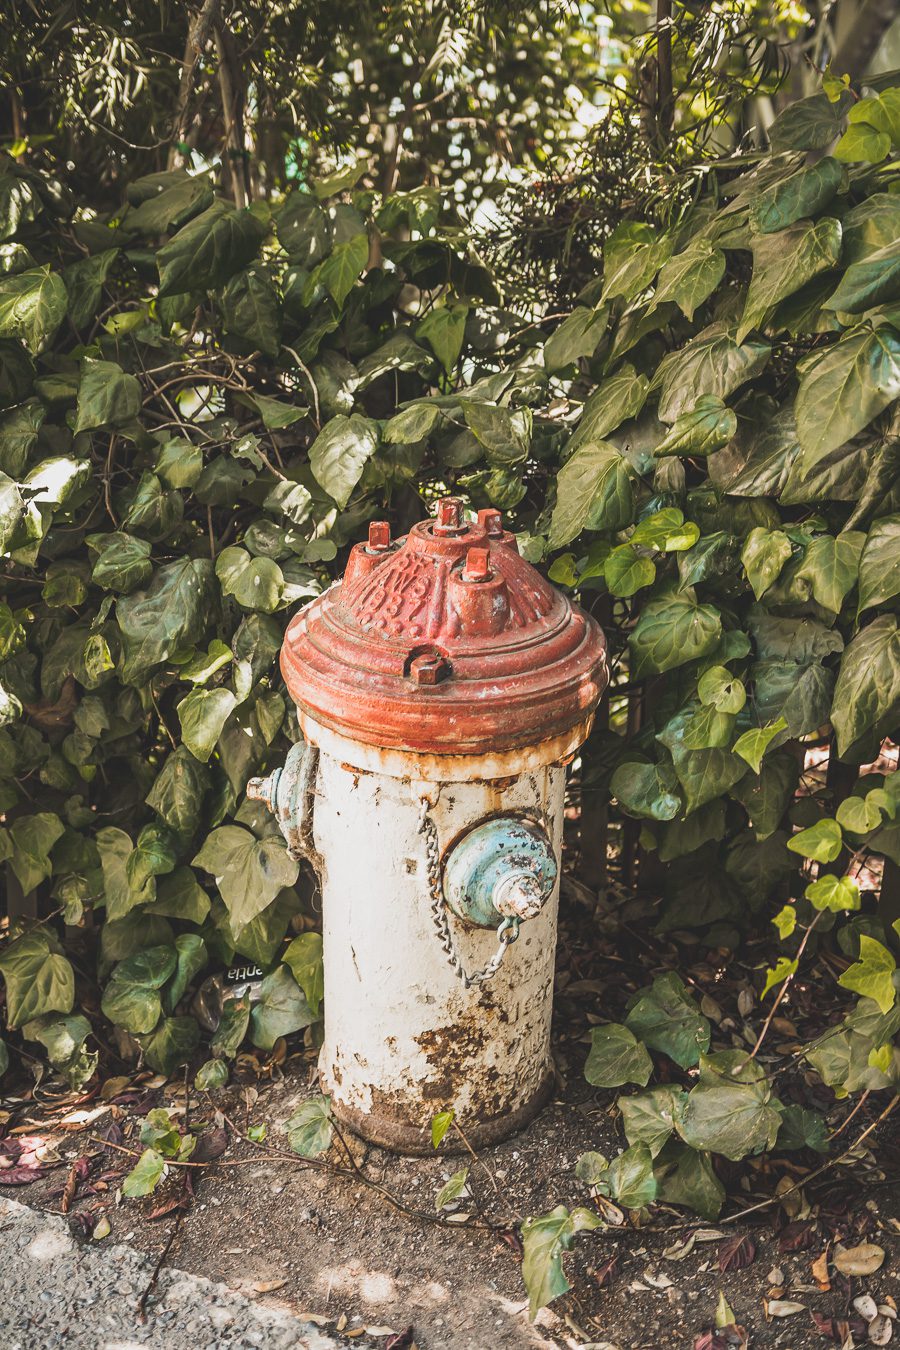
{"points": [[55, 1291]]}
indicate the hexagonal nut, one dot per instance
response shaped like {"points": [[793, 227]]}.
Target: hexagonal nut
{"points": [[429, 668]]}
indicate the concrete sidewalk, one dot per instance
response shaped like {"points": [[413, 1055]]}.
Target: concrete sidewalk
{"points": [[56, 1292]]}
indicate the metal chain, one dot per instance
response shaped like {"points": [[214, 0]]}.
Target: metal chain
{"points": [[507, 931]]}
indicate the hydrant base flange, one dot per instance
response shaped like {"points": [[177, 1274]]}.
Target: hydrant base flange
{"points": [[397, 1136]]}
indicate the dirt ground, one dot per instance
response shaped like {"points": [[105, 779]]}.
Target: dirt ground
{"points": [[334, 1247], [384, 1270]]}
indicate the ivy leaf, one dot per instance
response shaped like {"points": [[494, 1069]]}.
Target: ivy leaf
{"points": [[691, 277], [342, 268], [170, 207], [208, 250], [303, 229], [706, 428], [685, 1177], [413, 424], [616, 1057], [784, 967], [191, 958], [256, 583], [32, 306], [879, 566], [282, 1008], [309, 1129], [593, 491], [649, 1117], [719, 689], [170, 1044], [844, 388], [107, 396], [177, 794], [630, 264], [304, 958], [249, 872], [251, 310], [630, 1178], [452, 1189], [145, 1176], [665, 1017], [123, 561], [831, 565], [211, 1076], [440, 1124], [784, 262], [809, 124], [785, 921], [443, 329], [131, 999], [666, 530], [728, 1114], [711, 363], [38, 977], [833, 893], [804, 194], [874, 280], [873, 974], [544, 1240], [619, 397], [627, 571], [32, 839], [860, 815], [84, 284], [647, 790], [233, 1024], [863, 142], [802, 1128], [576, 337], [275, 414], [340, 452], [764, 555], [673, 629], [505, 435], [172, 613], [821, 842], [753, 744], [867, 692]]}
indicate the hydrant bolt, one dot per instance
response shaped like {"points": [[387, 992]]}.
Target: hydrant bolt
{"points": [[478, 565], [379, 536], [450, 517]]}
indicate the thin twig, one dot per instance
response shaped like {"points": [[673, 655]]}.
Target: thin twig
{"points": [[784, 988]]}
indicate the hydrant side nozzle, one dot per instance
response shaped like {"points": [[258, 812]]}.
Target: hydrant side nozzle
{"points": [[262, 790], [519, 896], [504, 868]]}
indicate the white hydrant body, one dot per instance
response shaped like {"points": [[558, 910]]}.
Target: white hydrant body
{"points": [[430, 798]]}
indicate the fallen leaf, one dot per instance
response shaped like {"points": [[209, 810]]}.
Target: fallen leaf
{"points": [[881, 1329], [402, 1341], [736, 1253], [797, 1236], [679, 1250], [866, 1306], [777, 1308], [606, 1273], [819, 1269], [210, 1145], [20, 1176], [102, 1229], [267, 1286], [862, 1260]]}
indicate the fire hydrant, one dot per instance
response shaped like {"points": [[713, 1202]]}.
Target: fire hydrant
{"points": [[441, 687]]}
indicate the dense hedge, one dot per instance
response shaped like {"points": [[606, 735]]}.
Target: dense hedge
{"points": [[203, 407]]}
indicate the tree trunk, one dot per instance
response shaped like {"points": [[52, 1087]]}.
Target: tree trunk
{"points": [[862, 37], [198, 36]]}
